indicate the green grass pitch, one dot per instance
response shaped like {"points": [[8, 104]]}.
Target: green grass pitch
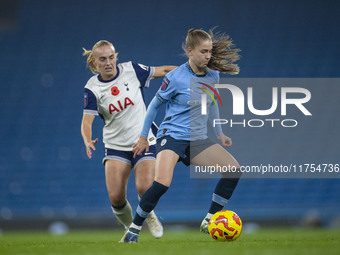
{"points": [[268, 241]]}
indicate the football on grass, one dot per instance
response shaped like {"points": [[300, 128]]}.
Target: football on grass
{"points": [[225, 226]]}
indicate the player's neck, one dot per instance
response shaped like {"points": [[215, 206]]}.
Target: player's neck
{"points": [[108, 76], [196, 69]]}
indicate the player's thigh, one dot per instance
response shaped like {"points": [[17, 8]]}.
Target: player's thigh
{"points": [[165, 164], [117, 174], [215, 155], [144, 175]]}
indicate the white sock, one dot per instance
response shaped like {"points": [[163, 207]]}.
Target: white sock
{"points": [[135, 226], [209, 215], [124, 215]]}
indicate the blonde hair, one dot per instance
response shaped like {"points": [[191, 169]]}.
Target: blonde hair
{"points": [[89, 54], [223, 55]]}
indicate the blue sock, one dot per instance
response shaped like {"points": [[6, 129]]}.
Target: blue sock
{"points": [[223, 191], [148, 202]]}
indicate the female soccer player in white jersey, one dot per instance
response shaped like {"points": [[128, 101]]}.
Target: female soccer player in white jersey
{"points": [[176, 138], [115, 94]]}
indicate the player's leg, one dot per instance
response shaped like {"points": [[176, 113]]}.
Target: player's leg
{"points": [[144, 176], [165, 164], [116, 176], [212, 156]]}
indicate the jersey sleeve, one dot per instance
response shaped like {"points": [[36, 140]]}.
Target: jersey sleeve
{"points": [[151, 115], [90, 103], [144, 73], [214, 111], [167, 89], [214, 114]]}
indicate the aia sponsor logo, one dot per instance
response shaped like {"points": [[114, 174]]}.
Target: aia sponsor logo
{"points": [[120, 105]]}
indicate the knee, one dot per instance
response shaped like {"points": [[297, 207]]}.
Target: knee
{"points": [[143, 184], [117, 199], [234, 174], [141, 188], [166, 181]]}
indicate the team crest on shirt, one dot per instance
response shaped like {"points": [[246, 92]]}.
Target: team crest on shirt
{"points": [[126, 86], [165, 83], [163, 142]]}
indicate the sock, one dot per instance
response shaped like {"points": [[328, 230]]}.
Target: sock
{"points": [[209, 215], [135, 229], [139, 200], [223, 191], [123, 214], [148, 202]]}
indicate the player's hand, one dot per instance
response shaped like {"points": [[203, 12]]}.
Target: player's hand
{"points": [[141, 145], [225, 140], [90, 147]]}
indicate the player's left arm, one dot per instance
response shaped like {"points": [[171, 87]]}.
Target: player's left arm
{"points": [[147, 73], [161, 71], [225, 140], [142, 144]]}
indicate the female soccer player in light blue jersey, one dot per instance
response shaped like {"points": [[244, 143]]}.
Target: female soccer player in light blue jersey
{"points": [[183, 133], [115, 93]]}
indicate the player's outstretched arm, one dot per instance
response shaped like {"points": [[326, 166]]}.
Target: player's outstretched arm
{"points": [[151, 113], [141, 145], [86, 132], [161, 71]]}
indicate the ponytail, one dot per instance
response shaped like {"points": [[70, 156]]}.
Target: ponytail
{"points": [[89, 60], [223, 54]]}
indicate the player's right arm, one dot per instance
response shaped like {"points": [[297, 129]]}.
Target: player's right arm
{"points": [[86, 132], [89, 113]]}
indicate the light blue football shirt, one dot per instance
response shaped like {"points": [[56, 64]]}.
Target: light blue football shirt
{"points": [[181, 89]]}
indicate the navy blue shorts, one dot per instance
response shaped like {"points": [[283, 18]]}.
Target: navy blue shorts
{"points": [[127, 156], [186, 150]]}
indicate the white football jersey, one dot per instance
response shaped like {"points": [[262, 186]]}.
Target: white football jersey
{"points": [[121, 104]]}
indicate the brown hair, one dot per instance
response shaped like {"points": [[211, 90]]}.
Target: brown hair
{"points": [[223, 55], [89, 54]]}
